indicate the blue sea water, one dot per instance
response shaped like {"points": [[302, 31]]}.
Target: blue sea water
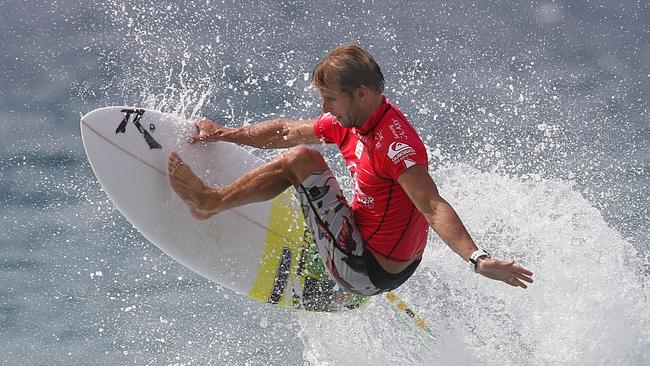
{"points": [[535, 115]]}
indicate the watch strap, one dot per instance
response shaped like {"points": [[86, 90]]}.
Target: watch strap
{"points": [[473, 259]]}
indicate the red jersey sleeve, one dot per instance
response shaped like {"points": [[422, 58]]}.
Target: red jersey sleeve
{"points": [[328, 129], [400, 148]]}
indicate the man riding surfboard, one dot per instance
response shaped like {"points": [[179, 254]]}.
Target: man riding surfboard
{"points": [[376, 243]]}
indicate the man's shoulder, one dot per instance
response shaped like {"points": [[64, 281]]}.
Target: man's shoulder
{"points": [[328, 128], [394, 126], [396, 138], [326, 121], [325, 118]]}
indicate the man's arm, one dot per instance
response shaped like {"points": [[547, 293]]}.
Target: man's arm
{"points": [[271, 134], [422, 190]]}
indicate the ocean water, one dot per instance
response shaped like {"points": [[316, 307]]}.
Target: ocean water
{"points": [[535, 115]]}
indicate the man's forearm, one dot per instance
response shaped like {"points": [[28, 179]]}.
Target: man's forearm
{"points": [[450, 228], [269, 134]]}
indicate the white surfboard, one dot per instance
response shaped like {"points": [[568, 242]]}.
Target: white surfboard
{"points": [[262, 250]]}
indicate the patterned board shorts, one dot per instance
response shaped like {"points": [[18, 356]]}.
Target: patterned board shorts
{"points": [[338, 239]]}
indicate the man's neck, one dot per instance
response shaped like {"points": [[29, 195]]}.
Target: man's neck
{"points": [[372, 106]]}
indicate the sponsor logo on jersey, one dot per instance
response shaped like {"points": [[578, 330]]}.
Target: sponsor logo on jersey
{"points": [[366, 201], [408, 163], [379, 139], [398, 151], [359, 149], [396, 128]]}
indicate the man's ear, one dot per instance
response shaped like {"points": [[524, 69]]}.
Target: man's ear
{"points": [[361, 92]]}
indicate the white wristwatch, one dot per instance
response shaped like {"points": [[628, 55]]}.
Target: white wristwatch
{"points": [[473, 259]]}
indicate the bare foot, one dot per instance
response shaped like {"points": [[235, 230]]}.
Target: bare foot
{"points": [[201, 199]]}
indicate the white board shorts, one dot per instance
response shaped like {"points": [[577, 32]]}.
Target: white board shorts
{"points": [[339, 241]]}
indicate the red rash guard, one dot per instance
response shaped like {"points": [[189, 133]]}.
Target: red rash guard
{"points": [[376, 154]]}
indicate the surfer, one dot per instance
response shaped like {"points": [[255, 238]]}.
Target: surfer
{"points": [[376, 243]]}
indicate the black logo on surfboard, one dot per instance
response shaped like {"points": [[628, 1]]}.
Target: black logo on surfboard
{"points": [[153, 144], [281, 277]]}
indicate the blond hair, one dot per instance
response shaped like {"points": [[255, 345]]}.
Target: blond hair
{"points": [[350, 66]]}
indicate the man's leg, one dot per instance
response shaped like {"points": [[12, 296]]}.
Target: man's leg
{"points": [[260, 184], [337, 236]]}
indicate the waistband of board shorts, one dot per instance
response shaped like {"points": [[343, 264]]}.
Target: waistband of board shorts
{"points": [[384, 280]]}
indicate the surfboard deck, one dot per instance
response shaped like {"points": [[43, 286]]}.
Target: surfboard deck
{"points": [[262, 250]]}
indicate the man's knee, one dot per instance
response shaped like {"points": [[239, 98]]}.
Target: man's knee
{"points": [[303, 162]]}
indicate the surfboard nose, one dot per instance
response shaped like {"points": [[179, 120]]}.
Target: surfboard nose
{"points": [[99, 115]]}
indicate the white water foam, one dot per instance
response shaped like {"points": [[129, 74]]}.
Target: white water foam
{"points": [[184, 100], [588, 305]]}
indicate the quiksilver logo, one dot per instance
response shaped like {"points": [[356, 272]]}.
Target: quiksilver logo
{"points": [[397, 151]]}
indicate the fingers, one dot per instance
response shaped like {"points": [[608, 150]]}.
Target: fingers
{"points": [[199, 134], [513, 275], [505, 271], [198, 121], [518, 280], [523, 270], [197, 138], [523, 274], [204, 130], [514, 282], [520, 276], [519, 270]]}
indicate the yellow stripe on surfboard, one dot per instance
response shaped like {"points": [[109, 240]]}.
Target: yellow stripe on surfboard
{"points": [[285, 230], [402, 308]]}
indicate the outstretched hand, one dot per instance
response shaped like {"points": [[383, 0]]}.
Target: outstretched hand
{"points": [[207, 130], [504, 271]]}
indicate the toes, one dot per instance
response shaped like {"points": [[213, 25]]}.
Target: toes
{"points": [[198, 215], [171, 162], [174, 163]]}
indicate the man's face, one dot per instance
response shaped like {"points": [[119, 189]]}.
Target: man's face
{"points": [[341, 105]]}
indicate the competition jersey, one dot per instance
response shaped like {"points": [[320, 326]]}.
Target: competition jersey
{"points": [[376, 154]]}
